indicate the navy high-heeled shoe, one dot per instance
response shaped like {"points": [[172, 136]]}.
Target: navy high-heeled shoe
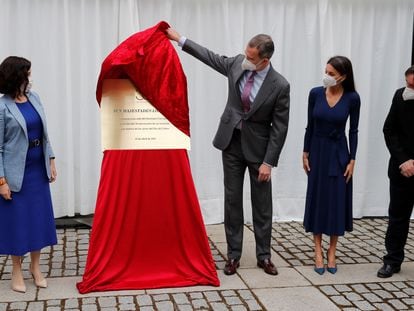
{"points": [[331, 270], [319, 271]]}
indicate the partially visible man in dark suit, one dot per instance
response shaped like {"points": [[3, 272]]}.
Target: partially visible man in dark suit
{"points": [[399, 137], [251, 134]]}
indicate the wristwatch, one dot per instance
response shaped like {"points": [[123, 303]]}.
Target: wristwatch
{"points": [[3, 181]]}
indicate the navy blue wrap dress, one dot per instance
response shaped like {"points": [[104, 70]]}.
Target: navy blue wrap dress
{"points": [[328, 208]]}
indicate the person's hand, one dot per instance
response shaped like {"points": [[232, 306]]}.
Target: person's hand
{"points": [[407, 168], [172, 34], [5, 192], [305, 160], [53, 172], [349, 171], [264, 173]]}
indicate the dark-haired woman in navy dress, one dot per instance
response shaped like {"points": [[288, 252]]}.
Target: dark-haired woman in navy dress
{"points": [[327, 160], [27, 166]]}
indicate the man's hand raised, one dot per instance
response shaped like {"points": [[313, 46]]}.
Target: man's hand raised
{"points": [[172, 34]]}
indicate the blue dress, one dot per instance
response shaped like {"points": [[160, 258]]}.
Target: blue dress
{"points": [[27, 221], [328, 207]]}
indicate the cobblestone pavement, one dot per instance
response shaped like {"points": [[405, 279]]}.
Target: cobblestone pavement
{"points": [[365, 245]]}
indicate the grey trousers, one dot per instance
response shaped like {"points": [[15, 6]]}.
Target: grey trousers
{"points": [[234, 166]]}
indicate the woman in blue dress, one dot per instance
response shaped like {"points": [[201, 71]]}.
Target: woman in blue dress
{"points": [[327, 160], [27, 166]]}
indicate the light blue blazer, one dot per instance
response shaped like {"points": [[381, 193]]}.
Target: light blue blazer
{"points": [[14, 141]]}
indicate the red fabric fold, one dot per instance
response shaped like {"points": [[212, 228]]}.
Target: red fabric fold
{"points": [[148, 230], [150, 61]]}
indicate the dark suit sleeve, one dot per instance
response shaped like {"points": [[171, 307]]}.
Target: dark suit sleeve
{"points": [[392, 132], [219, 63], [278, 133]]}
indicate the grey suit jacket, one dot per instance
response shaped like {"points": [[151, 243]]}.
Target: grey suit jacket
{"points": [[14, 141], [264, 127]]}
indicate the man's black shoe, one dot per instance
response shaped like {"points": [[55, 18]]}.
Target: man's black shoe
{"points": [[231, 266], [387, 271]]}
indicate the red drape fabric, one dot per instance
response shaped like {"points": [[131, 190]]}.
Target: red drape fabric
{"points": [[148, 230]]}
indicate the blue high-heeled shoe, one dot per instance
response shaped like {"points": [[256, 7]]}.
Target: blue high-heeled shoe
{"points": [[331, 270], [319, 271]]}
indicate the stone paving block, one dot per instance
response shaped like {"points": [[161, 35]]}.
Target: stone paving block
{"points": [[400, 295], [253, 305], [383, 307], [233, 300], [165, 306], [89, 307], [196, 295], [213, 296], [373, 286], [127, 307], [397, 304], [184, 307], [329, 290], [360, 288], [228, 293], [383, 294], [180, 299], [53, 302], [199, 303], [409, 291], [341, 301], [371, 297], [36, 306], [161, 297], [147, 308], [298, 298], [218, 306], [400, 285], [245, 294], [21, 305], [287, 277], [3, 306], [238, 308], [71, 304], [364, 305], [105, 302], [144, 300], [343, 288], [126, 300], [408, 301], [352, 296]]}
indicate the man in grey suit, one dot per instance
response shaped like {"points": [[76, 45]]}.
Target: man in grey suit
{"points": [[251, 134]]}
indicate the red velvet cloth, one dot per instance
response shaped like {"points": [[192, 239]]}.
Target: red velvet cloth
{"points": [[148, 230], [150, 61]]}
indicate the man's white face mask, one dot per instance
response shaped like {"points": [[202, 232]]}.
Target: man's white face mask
{"points": [[408, 94], [248, 65]]}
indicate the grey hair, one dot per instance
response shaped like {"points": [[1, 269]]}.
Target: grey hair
{"points": [[264, 44]]}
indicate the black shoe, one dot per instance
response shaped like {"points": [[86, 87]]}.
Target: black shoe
{"points": [[268, 266], [231, 266], [387, 271]]}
